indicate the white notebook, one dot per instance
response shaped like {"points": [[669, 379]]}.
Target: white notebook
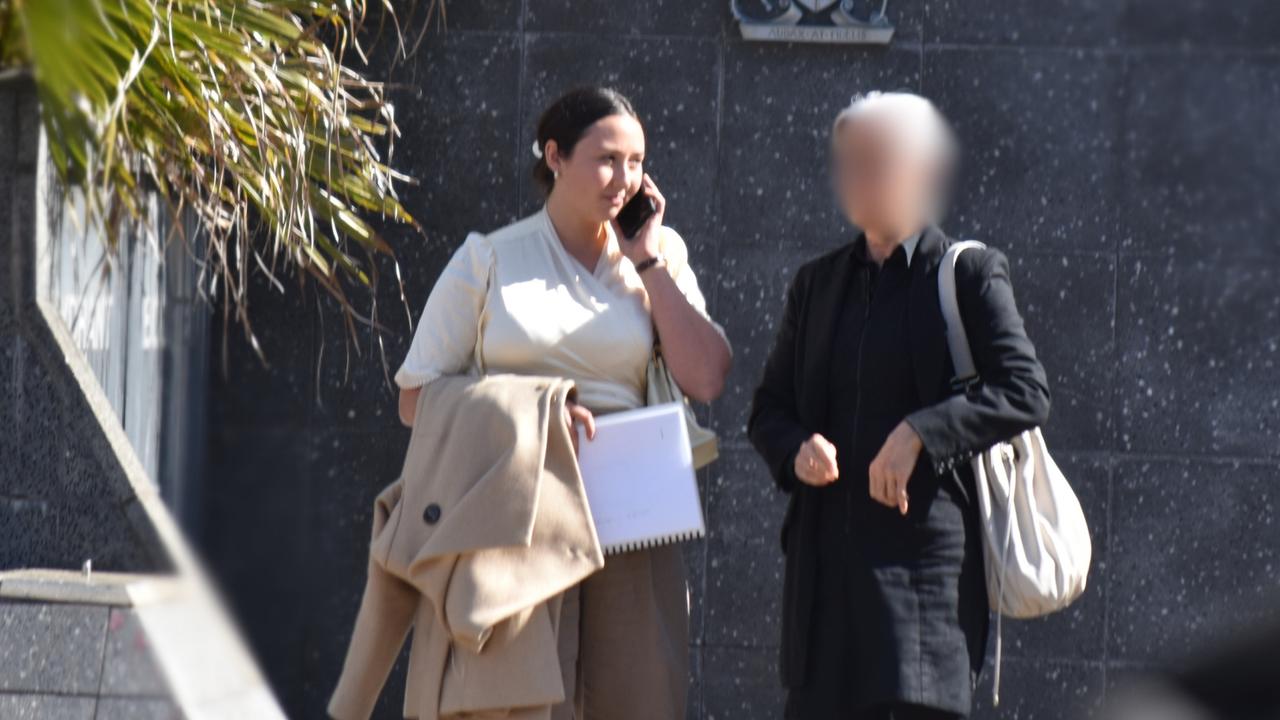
{"points": [[639, 477]]}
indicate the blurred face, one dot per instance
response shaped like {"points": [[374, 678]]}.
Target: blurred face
{"points": [[603, 171], [880, 184]]}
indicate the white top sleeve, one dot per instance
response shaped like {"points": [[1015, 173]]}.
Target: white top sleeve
{"points": [[445, 340]]}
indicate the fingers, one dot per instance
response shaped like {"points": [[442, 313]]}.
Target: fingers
{"points": [[891, 471], [825, 454], [651, 189], [888, 487], [575, 414], [568, 421], [875, 481], [580, 414], [816, 462]]}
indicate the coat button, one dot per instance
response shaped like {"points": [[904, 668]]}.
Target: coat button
{"points": [[432, 514]]}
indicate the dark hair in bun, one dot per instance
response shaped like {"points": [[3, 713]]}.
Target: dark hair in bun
{"points": [[568, 118]]}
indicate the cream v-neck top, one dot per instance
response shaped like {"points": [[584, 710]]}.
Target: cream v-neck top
{"points": [[516, 301]]}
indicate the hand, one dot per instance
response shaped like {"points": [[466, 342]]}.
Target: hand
{"points": [[575, 414], [893, 465], [816, 462], [648, 242]]}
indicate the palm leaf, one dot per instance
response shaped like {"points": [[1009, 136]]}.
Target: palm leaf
{"points": [[237, 111]]}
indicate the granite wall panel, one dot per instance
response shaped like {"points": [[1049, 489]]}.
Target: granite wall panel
{"points": [[693, 708], [62, 498], [1199, 345], [349, 470], [1119, 153], [8, 171], [744, 592], [1195, 551], [1068, 304], [1202, 23], [480, 15], [613, 19], [255, 533], [457, 104], [8, 123], [751, 288], [778, 105], [740, 684], [280, 391], [1039, 132], [741, 511], [1200, 149], [985, 23], [1042, 690]]}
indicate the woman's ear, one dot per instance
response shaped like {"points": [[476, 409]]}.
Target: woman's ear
{"points": [[551, 154]]}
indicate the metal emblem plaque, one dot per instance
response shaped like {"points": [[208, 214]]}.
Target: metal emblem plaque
{"points": [[814, 21]]}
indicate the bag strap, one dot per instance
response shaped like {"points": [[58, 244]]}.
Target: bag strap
{"points": [[967, 374], [957, 338]]}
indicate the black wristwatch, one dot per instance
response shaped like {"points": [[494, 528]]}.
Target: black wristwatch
{"points": [[646, 264]]}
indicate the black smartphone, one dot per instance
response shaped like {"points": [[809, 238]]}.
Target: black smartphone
{"points": [[635, 214]]}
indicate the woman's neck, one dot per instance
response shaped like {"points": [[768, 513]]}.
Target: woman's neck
{"points": [[583, 239]]}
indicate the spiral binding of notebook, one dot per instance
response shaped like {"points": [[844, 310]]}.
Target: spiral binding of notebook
{"points": [[639, 479], [654, 542]]}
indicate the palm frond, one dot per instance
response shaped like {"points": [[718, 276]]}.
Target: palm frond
{"points": [[240, 112]]}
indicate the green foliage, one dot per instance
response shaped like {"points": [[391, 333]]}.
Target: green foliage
{"points": [[238, 112]]}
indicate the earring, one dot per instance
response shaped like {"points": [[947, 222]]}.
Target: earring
{"points": [[555, 174]]}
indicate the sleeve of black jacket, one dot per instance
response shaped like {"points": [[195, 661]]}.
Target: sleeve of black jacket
{"points": [[1013, 395], [774, 425]]}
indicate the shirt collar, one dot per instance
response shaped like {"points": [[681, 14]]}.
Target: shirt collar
{"points": [[908, 246]]}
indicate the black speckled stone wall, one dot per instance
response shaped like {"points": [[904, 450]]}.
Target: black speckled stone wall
{"points": [[1123, 153], [63, 497]]}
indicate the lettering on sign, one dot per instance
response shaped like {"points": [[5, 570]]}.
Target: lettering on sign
{"points": [[814, 21]]}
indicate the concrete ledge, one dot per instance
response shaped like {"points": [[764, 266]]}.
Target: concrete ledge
{"points": [[68, 586]]}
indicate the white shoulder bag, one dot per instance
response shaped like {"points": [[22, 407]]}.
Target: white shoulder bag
{"points": [[1035, 537], [661, 388]]}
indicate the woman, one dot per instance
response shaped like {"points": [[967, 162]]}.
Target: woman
{"points": [[559, 294], [884, 606]]}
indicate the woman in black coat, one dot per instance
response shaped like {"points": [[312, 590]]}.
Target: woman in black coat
{"points": [[885, 610]]}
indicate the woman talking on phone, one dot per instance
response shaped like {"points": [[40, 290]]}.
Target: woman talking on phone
{"points": [[562, 293]]}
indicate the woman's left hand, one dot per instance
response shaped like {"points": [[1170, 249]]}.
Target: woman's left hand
{"points": [[893, 465], [575, 415], [648, 241]]}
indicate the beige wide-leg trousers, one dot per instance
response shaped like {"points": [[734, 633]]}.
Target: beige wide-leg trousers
{"points": [[629, 659]]}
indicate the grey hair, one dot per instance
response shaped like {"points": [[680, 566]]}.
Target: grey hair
{"points": [[916, 121]]}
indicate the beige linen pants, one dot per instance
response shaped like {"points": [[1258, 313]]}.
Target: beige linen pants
{"points": [[629, 659]]}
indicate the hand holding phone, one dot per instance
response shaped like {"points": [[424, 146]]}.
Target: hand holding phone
{"points": [[632, 217], [639, 223]]}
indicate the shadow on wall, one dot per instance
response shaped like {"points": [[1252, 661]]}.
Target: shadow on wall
{"points": [[1237, 680]]}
